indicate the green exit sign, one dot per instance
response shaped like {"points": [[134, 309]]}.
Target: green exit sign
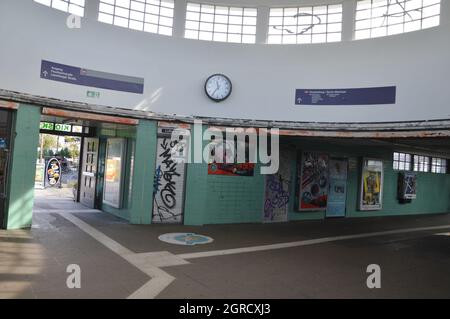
{"points": [[93, 94], [47, 126], [56, 127], [63, 127]]}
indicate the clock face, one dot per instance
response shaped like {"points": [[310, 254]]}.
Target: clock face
{"points": [[218, 87]]}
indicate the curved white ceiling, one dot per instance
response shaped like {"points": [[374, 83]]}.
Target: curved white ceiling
{"points": [[285, 22], [264, 77]]}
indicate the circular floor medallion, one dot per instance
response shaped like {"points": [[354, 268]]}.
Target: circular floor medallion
{"points": [[187, 239]]}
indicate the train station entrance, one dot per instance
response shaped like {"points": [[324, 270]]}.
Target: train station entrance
{"points": [[78, 164]]}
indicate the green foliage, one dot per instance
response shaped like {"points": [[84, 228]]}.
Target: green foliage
{"points": [[65, 152], [48, 153], [49, 141]]}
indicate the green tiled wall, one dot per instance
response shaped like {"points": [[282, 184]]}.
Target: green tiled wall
{"points": [[225, 199]]}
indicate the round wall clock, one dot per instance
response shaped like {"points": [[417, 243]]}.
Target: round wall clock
{"points": [[218, 87]]}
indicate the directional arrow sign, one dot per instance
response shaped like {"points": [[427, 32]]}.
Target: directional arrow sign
{"points": [[81, 76]]}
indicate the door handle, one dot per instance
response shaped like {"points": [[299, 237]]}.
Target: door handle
{"points": [[88, 174]]}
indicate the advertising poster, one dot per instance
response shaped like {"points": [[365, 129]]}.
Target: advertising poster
{"points": [[39, 178], [407, 185], [338, 188], [371, 185], [112, 189], [229, 165], [112, 169], [244, 169], [314, 181], [53, 173]]}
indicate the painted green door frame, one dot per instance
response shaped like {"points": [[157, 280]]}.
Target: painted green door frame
{"points": [[24, 140], [139, 169], [143, 172]]}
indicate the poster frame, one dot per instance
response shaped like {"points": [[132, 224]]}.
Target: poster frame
{"points": [[300, 178], [346, 159], [402, 194], [46, 176], [363, 207], [117, 205]]}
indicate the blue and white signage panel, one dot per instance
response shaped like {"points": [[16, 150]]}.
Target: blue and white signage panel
{"points": [[79, 76], [359, 96]]}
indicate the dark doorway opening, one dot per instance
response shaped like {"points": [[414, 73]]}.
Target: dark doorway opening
{"points": [[5, 158]]}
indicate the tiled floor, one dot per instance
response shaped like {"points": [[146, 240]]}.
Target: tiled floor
{"points": [[33, 262]]}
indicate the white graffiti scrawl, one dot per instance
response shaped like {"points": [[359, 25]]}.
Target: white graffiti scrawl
{"points": [[168, 186]]}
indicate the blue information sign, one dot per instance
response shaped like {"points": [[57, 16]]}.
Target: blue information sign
{"points": [[79, 76], [359, 96]]}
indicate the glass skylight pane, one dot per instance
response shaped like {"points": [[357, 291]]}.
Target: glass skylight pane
{"points": [[388, 17], [220, 23], [155, 16], [306, 24]]}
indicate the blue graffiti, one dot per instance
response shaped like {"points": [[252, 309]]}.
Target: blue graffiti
{"points": [[157, 180], [276, 195]]}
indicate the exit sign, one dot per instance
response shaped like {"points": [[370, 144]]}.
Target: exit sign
{"points": [[56, 127], [93, 94]]}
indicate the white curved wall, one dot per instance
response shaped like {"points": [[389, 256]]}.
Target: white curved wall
{"points": [[264, 76]]}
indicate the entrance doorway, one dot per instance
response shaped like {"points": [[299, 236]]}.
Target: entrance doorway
{"points": [[61, 162], [57, 167], [5, 155], [76, 167]]}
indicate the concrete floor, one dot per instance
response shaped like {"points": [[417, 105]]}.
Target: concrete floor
{"points": [[119, 260]]}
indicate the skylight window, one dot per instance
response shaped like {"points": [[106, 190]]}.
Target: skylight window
{"points": [[155, 16], [378, 18], [70, 6], [316, 24], [220, 23]]}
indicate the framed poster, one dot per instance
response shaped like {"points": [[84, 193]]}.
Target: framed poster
{"points": [[53, 173], [337, 196], [313, 181], [39, 178], [407, 186], [371, 195], [115, 154], [228, 164], [243, 169]]}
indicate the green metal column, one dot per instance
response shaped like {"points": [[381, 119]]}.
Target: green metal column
{"points": [[144, 172], [25, 140]]}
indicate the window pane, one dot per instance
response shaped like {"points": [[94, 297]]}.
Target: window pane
{"points": [[75, 7], [376, 18], [316, 24], [155, 16], [220, 23]]}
